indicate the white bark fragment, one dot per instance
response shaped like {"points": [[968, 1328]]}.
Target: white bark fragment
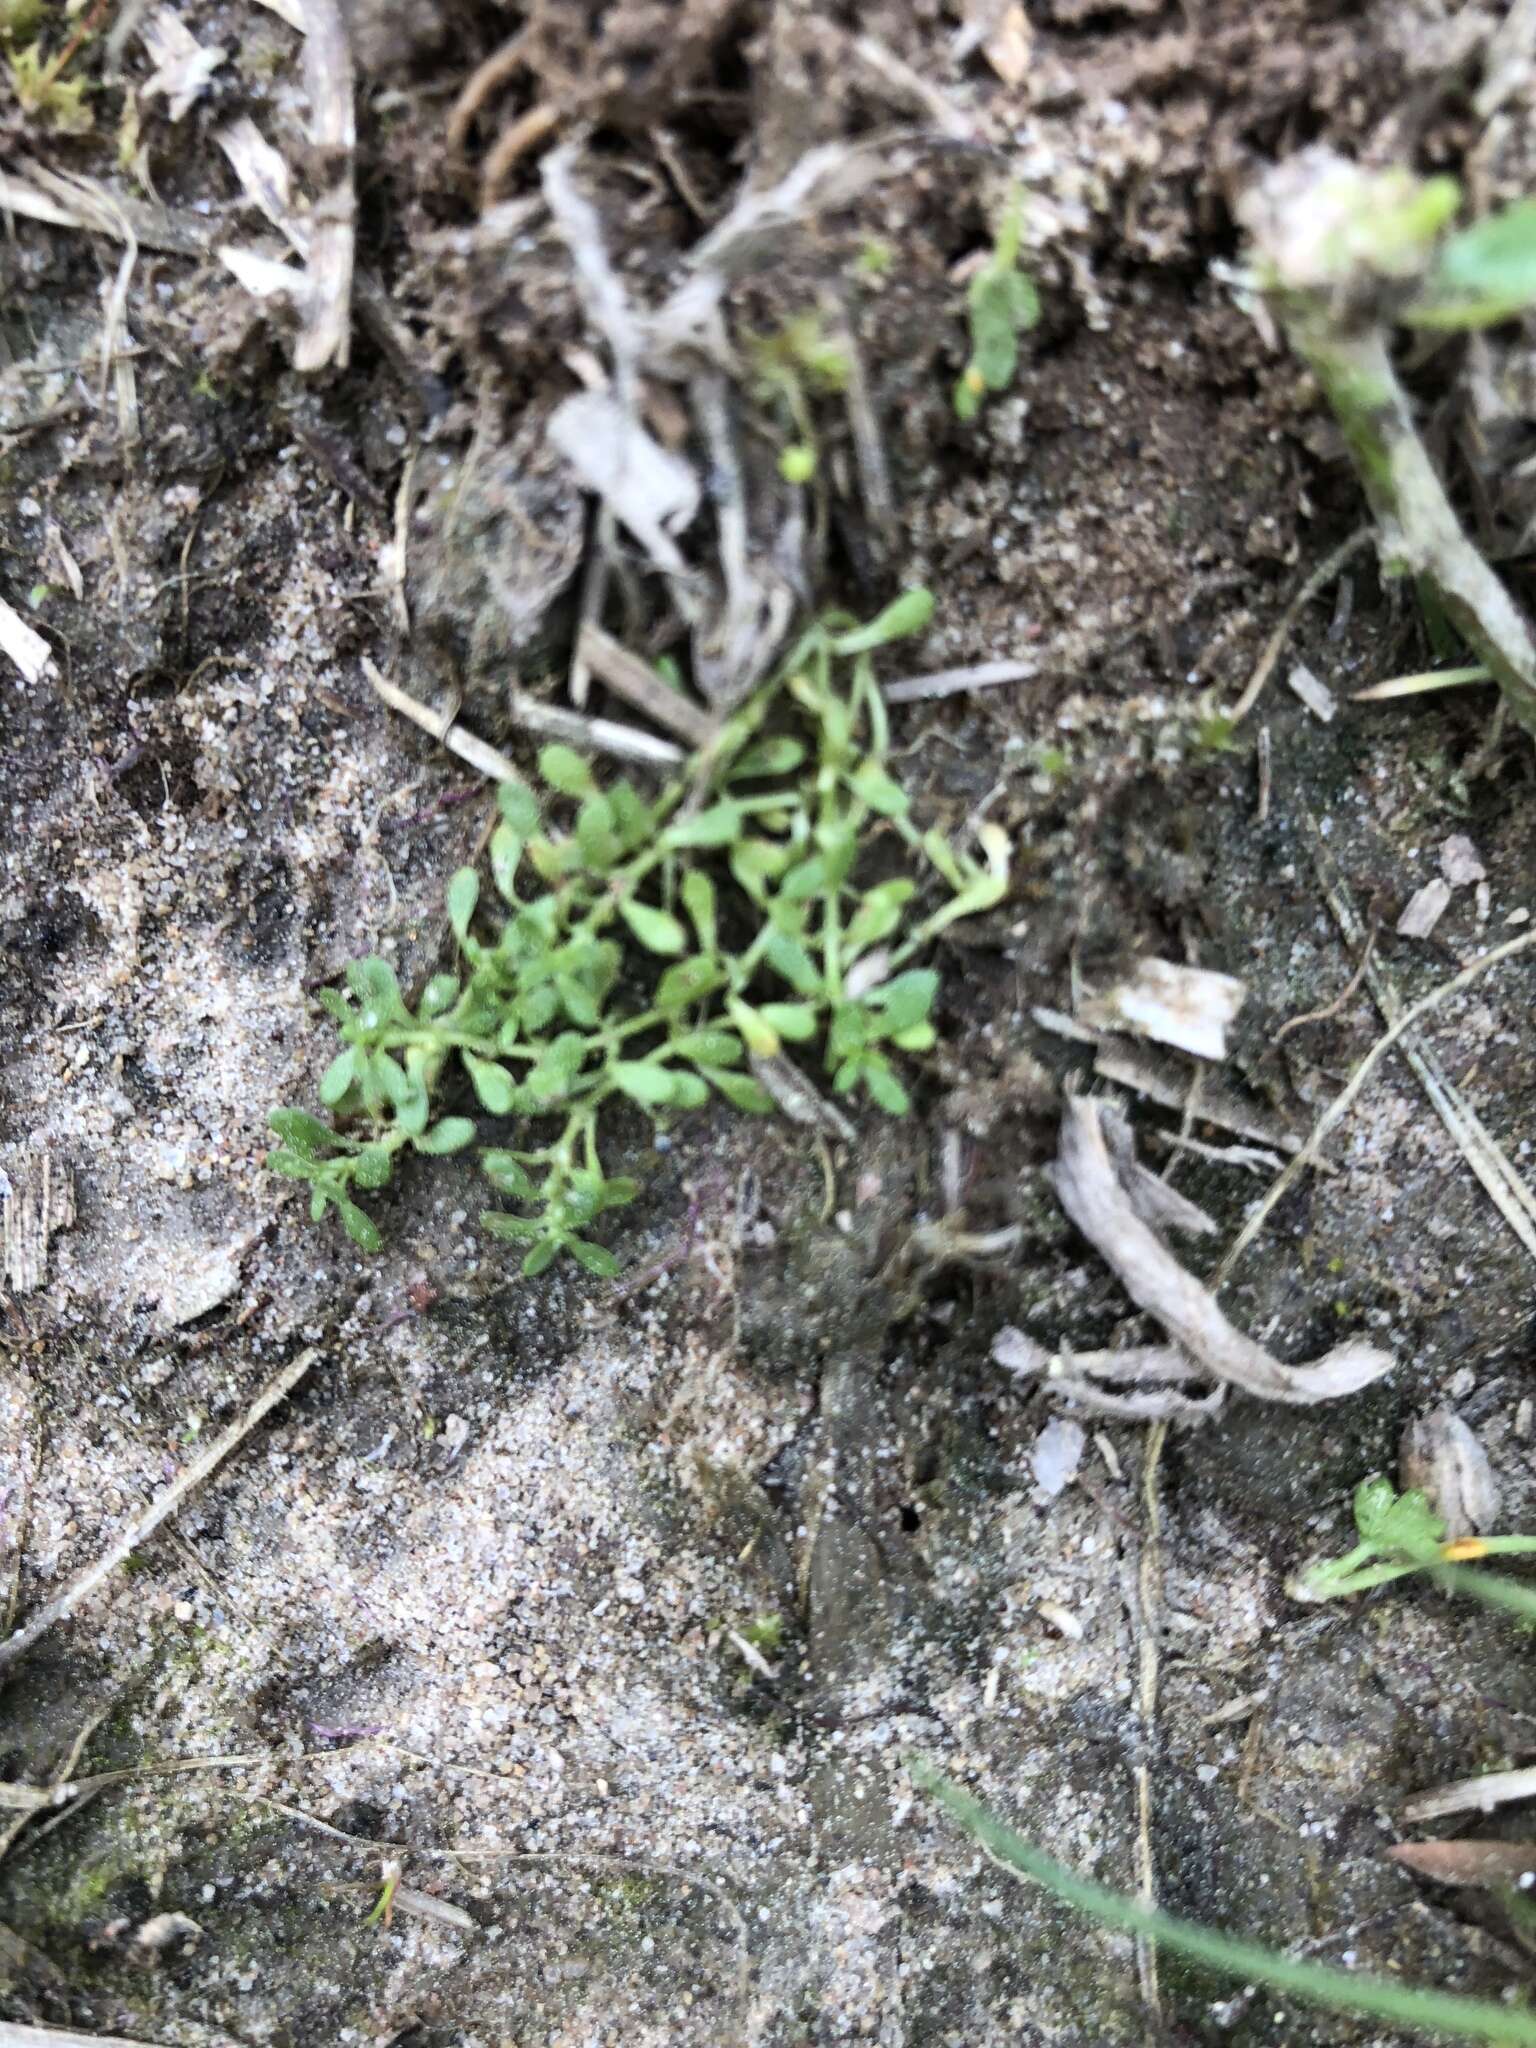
{"points": [[1424, 910], [26, 647], [1187, 1007], [1460, 861], [183, 66], [651, 491], [1313, 692]]}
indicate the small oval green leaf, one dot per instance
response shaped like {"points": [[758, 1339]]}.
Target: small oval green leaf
{"points": [[657, 930], [449, 1134], [492, 1084], [564, 770], [463, 895], [644, 1081]]}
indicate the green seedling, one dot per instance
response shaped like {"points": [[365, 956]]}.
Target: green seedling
{"points": [[1401, 1533], [647, 949], [765, 1633], [1001, 304], [41, 90], [1343, 254], [384, 1905], [20, 20], [1438, 2015], [795, 365]]}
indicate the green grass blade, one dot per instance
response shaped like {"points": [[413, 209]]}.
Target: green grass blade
{"points": [[1439, 2014]]}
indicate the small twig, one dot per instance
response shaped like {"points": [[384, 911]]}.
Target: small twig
{"points": [[14, 2035], [487, 79], [594, 595], [603, 735], [1472, 1795], [1510, 1195], [1329, 1009], [950, 682], [477, 752], [76, 1751], [1340, 1104], [160, 1509], [1148, 1623], [868, 442], [635, 680], [1274, 646], [327, 331]]}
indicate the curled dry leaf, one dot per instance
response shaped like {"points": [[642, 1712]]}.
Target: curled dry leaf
{"points": [[1187, 1007], [1091, 1192], [1154, 1200], [1444, 1461]]}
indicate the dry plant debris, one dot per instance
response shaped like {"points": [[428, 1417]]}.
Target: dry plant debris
{"points": [[1441, 1458], [1186, 1007], [1091, 1184]]}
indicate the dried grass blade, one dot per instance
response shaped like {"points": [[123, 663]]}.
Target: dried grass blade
{"points": [[1487, 1863], [160, 1510]]}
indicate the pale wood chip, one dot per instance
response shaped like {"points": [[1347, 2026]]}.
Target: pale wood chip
{"points": [[1424, 910], [25, 646], [37, 1198]]}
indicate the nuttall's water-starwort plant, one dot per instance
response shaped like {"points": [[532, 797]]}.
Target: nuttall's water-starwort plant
{"points": [[1401, 1533], [648, 948], [1001, 303]]}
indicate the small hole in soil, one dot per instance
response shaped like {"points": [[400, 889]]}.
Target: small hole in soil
{"points": [[911, 1517]]}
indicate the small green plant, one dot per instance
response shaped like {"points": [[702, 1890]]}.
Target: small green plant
{"points": [[1401, 1533], [793, 366], [648, 949], [765, 1633], [20, 20], [1001, 304], [1343, 253], [1438, 2014]]}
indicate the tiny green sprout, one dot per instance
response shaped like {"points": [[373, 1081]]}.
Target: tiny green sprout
{"points": [[644, 950], [20, 20], [384, 1905], [1401, 1533], [794, 365], [875, 258], [797, 463], [41, 90], [765, 1633], [1215, 733], [39, 595], [1001, 304]]}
